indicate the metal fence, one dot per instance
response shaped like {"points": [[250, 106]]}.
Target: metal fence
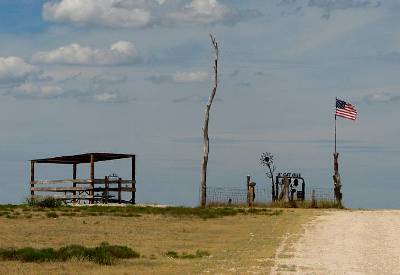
{"points": [[238, 196]]}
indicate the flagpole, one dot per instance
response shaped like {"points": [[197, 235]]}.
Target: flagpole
{"points": [[335, 132], [335, 124]]}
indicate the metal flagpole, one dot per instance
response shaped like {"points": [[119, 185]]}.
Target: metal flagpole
{"points": [[335, 133], [335, 125], [336, 177]]}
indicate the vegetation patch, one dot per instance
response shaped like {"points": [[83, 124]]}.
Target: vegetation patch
{"points": [[204, 213], [104, 254], [53, 208], [306, 204], [52, 215], [176, 255], [46, 202]]}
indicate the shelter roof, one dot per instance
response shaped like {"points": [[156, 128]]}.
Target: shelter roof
{"points": [[83, 158]]}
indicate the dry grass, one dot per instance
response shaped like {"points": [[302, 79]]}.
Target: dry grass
{"points": [[236, 243], [306, 204]]}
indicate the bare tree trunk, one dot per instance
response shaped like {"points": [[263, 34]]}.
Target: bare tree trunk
{"points": [[336, 180], [203, 180]]}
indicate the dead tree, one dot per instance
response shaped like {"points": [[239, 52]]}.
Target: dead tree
{"points": [[206, 149]]}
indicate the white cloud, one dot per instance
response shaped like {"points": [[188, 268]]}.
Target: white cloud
{"points": [[202, 11], [35, 91], [14, 69], [122, 52], [142, 13], [96, 12], [381, 97], [179, 77], [194, 99], [188, 77], [109, 97]]}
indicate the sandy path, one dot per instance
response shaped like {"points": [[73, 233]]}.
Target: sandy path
{"points": [[345, 242]]}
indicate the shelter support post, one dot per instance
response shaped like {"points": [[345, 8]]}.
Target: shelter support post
{"points": [[106, 189], [133, 180], [119, 190], [32, 178], [248, 188], [92, 177], [74, 177]]}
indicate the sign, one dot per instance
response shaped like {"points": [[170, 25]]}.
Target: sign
{"points": [[289, 175]]}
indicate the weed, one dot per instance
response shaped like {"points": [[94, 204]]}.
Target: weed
{"points": [[52, 215], [184, 255]]}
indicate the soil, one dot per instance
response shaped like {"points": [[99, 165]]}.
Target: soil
{"points": [[344, 242]]}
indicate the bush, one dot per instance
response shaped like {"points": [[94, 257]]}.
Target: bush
{"points": [[46, 202], [52, 215], [104, 254], [184, 255]]}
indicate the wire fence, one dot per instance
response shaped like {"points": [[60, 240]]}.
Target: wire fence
{"points": [[238, 196]]}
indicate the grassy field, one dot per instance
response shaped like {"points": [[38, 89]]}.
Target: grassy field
{"points": [[169, 240]]}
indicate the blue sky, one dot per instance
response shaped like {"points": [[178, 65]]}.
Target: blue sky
{"points": [[133, 76]]}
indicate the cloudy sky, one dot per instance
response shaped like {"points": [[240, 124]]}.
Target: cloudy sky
{"points": [[133, 76]]}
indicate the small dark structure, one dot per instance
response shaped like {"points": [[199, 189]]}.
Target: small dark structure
{"points": [[86, 190], [285, 181]]}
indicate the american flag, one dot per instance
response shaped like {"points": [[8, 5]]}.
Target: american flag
{"points": [[346, 110]]}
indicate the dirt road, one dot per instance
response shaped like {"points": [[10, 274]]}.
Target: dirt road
{"points": [[344, 242]]}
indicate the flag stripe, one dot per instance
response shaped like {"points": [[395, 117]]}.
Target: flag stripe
{"points": [[345, 110]]}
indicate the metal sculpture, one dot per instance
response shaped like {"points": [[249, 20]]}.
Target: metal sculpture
{"points": [[267, 159], [290, 186]]}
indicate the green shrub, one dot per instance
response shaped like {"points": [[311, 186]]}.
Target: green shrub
{"points": [[46, 202], [104, 254], [172, 254]]}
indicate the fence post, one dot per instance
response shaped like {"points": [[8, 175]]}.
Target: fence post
{"points": [[248, 189], [252, 193], [313, 202]]}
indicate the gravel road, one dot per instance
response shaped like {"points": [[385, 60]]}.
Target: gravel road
{"points": [[344, 242]]}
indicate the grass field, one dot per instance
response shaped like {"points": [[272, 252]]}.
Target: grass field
{"points": [[169, 240]]}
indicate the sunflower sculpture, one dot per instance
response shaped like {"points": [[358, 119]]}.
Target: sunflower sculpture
{"points": [[267, 159]]}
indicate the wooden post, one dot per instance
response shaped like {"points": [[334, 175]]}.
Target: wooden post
{"points": [[133, 180], [92, 177], [252, 193], [119, 190], [284, 195], [336, 179], [106, 189], [32, 178], [74, 178], [313, 201], [206, 139], [248, 190]]}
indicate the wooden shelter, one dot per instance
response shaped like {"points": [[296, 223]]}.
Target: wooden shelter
{"points": [[90, 190]]}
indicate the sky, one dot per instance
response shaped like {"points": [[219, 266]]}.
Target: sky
{"points": [[133, 76]]}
